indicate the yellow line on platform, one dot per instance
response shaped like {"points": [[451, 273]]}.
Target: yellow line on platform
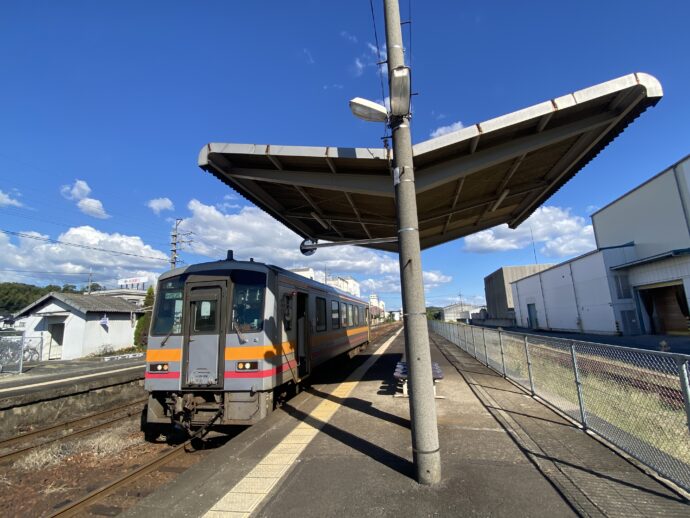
{"points": [[251, 491]]}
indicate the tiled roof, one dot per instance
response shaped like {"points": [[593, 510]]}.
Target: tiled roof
{"points": [[86, 303]]}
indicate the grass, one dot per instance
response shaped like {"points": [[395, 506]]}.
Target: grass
{"points": [[100, 445], [617, 405]]}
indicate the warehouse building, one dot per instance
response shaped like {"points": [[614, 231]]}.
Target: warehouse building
{"points": [[638, 279], [497, 290]]}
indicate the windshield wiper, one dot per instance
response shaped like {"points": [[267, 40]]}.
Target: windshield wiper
{"points": [[236, 327], [166, 337]]}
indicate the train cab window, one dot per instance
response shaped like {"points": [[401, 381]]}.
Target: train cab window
{"points": [[248, 300], [335, 314], [350, 315], [167, 318], [205, 316], [343, 314], [320, 314]]}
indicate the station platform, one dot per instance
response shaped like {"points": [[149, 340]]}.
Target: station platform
{"points": [[342, 448], [60, 377]]}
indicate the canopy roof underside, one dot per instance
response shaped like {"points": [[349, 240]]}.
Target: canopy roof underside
{"points": [[498, 171]]}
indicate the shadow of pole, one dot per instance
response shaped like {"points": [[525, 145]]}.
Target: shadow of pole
{"points": [[373, 451]]}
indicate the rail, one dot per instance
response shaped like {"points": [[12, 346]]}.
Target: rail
{"points": [[637, 400]]}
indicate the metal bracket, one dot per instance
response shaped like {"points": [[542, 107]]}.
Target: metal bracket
{"points": [[309, 246]]}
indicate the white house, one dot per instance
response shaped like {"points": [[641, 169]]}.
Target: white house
{"points": [[71, 325], [638, 279]]}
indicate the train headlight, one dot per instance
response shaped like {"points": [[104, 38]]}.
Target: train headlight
{"points": [[158, 367], [247, 366]]}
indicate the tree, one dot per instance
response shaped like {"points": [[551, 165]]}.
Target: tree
{"points": [[434, 313], [94, 287], [69, 288], [141, 331]]}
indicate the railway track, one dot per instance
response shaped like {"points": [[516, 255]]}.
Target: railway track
{"points": [[82, 504], [111, 416]]}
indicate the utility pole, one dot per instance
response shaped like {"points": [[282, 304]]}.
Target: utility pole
{"points": [[89, 288], [176, 242], [425, 445]]}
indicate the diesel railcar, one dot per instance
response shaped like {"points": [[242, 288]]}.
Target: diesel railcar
{"points": [[226, 335]]}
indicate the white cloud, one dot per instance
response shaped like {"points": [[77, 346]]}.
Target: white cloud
{"points": [[444, 130], [560, 233], [434, 278], [160, 204], [310, 58], [350, 37], [6, 200], [248, 231], [92, 207], [359, 67], [590, 209], [335, 86], [78, 191], [27, 254]]}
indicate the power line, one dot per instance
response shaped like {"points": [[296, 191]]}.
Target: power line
{"points": [[378, 50], [77, 245]]}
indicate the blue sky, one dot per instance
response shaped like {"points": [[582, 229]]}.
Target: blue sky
{"points": [[104, 107]]}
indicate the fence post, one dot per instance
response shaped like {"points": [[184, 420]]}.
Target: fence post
{"points": [[529, 366], [486, 354], [474, 342], [685, 386], [503, 359], [578, 384]]}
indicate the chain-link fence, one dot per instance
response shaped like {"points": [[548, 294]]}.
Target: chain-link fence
{"points": [[17, 350], [638, 400]]}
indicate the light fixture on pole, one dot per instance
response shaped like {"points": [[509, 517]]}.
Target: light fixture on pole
{"points": [[368, 110], [400, 91]]}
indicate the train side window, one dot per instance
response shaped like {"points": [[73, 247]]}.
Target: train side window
{"points": [[350, 315], [343, 314], [320, 314], [356, 315], [335, 314]]}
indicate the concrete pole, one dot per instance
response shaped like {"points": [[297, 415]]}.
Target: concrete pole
{"points": [[425, 445]]}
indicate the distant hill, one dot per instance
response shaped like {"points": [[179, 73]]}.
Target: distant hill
{"points": [[16, 295]]}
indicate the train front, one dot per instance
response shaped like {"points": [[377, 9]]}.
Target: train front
{"points": [[210, 347]]}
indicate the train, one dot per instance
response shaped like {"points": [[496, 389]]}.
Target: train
{"points": [[228, 336]]}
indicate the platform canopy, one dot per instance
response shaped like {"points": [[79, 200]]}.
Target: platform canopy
{"points": [[498, 171]]}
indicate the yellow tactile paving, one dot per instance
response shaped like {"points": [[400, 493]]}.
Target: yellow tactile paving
{"points": [[249, 492]]}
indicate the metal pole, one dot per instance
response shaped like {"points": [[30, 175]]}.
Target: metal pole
{"points": [[578, 384], [503, 359], [425, 444], [685, 386], [486, 353], [529, 366]]}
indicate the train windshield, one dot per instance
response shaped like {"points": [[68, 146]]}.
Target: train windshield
{"points": [[248, 301], [169, 306]]}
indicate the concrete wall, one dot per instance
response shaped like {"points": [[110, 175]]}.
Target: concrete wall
{"points": [[655, 215], [118, 334], [573, 296]]}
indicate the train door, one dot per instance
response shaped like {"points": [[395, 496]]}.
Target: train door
{"points": [[301, 316], [204, 334]]}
